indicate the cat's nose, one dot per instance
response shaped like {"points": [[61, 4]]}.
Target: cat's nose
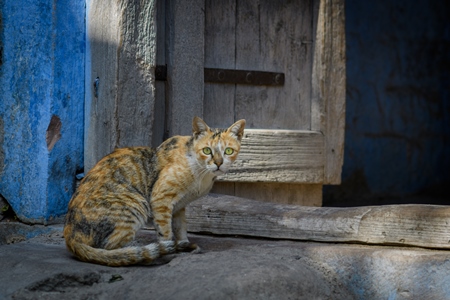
{"points": [[218, 162]]}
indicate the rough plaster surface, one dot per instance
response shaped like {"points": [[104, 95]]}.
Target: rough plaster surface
{"points": [[228, 268], [398, 104], [41, 79]]}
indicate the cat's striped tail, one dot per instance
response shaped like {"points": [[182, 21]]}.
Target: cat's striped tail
{"points": [[121, 256]]}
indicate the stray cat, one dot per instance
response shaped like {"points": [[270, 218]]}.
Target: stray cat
{"points": [[131, 185]]}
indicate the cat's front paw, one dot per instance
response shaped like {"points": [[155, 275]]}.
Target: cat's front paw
{"points": [[186, 246]]}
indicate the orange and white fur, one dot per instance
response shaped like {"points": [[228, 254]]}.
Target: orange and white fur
{"points": [[132, 185]]}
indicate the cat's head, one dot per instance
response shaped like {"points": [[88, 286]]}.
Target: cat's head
{"points": [[217, 149]]}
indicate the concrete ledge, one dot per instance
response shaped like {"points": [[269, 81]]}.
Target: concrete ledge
{"points": [[228, 268]]}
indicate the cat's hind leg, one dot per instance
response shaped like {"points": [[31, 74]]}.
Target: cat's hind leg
{"points": [[126, 220]]}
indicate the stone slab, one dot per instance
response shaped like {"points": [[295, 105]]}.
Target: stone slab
{"points": [[228, 268]]}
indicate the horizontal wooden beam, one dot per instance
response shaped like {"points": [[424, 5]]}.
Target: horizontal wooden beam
{"points": [[407, 225], [292, 156]]}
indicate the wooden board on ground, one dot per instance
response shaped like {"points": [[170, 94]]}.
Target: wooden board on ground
{"points": [[406, 225]]}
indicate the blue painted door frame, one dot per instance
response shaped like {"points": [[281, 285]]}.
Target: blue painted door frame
{"points": [[42, 105]]}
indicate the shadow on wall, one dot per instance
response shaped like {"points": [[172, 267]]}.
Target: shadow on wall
{"points": [[397, 141]]}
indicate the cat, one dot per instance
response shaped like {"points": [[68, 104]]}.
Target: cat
{"points": [[131, 185]]}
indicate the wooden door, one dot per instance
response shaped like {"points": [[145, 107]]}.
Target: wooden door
{"points": [[283, 155], [293, 142], [275, 36]]}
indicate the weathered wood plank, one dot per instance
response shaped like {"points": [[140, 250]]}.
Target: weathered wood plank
{"points": [[298, 158], [407, 225], [220, 48], [185, 25], [121, 52], [282, 193], [275, 36], [101, 43], [328, 85]]}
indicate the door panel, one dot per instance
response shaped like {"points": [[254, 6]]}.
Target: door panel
{"points": [[264, 36], [220, 45], [274, 36]]}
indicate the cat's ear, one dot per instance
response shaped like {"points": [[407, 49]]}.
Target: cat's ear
{"points": [[237, 129], [199, 127]]}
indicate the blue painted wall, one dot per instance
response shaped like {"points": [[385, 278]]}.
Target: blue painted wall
{"points": [[397, 144], [42, 99]]}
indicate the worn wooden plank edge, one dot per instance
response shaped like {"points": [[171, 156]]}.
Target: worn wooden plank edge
{"points": [[336, 92], [328, 85], [407, 225], [293, 175], [299, 159]]}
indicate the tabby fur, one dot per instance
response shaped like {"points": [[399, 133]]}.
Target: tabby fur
{"points": [[130, 186]]}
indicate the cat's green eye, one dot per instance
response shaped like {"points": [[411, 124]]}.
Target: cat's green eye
{"points": [[207, 150], [229, 151]]}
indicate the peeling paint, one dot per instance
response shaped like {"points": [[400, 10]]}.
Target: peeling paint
{"points": [[53, 132]]}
